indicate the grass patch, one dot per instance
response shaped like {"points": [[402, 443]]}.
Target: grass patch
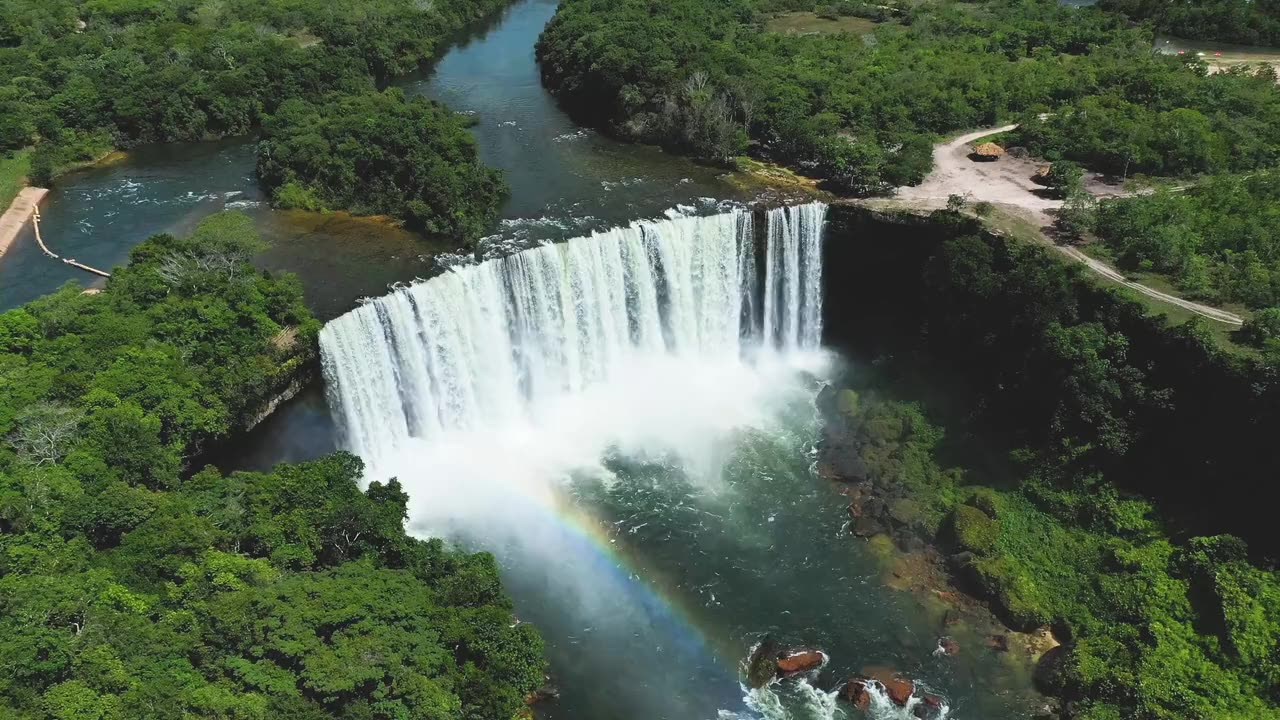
{"points": [[807, 23], [14, 168]]}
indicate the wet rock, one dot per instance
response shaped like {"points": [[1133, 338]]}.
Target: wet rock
{"points": [[947, 646], [800, 660], [966, 573], [999, 643], [867, 526], [841, 461], [899, 689], [929, 707], [1049, 671], [826, 401], [1041, 641], [855, 691], [547, 691], [762, 666], [908, 542]]}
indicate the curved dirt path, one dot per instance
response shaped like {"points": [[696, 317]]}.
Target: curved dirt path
{"points": [[1007, 182]]}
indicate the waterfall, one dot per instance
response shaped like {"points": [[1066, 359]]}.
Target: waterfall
{"points": [[485, 344], [793, 283]]}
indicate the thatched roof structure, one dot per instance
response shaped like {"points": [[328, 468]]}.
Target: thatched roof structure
{"points": [[988, 151]]}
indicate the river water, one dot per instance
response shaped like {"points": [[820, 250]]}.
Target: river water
{"points": [[653, 520]]}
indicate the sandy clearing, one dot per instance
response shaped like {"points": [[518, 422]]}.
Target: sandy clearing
{"points": [[1007, 182], [19, 212]]}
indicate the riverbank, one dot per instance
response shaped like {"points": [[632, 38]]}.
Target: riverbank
{"points": [[15, 218]]}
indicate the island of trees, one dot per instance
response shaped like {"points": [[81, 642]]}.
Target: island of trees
{"points": [[80, 78], [135, 586]]}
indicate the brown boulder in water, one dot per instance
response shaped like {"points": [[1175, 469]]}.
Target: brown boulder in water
{"points": [[798, 661], [762, 666], [899, 689], [947, 646], [855, 691]]}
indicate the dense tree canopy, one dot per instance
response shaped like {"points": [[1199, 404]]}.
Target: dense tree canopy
{"points": [[861, 111], [133, 590], [379, 153], [1249, 22], [169, 70], [1219, 239]]}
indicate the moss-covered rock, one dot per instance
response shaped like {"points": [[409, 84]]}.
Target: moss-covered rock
{"points": [[974, 530], [847, 402]]}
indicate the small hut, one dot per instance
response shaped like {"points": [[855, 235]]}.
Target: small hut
{"points": [[987, 152]]}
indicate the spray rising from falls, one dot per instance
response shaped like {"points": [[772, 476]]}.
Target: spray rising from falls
{"points": [[506, 340]]}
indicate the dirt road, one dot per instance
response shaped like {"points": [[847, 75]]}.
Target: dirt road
{"points": [[1007, 183]]}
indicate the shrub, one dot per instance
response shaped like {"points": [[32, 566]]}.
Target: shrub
{"points": [[1263, 326]]}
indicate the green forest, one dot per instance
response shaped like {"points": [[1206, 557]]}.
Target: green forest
{"points": [[134, 587], [78, 78], [861, 111], [1087, 465], [380, 154], [1247, 22], [1220, 240]]}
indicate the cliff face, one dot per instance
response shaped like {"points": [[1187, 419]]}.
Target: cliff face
{"points": [[1077, 463]]}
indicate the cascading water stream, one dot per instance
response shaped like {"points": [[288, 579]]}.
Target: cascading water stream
{"points": [[492, 343]]}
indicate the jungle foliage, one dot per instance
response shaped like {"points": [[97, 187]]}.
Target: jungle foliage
{"points": [[1247, 22], [1219, 240], [862, 111], [1095, 465], [380, 154], [180, 70], [131, 589]]}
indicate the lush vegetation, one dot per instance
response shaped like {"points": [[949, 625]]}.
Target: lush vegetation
{"points": [[380, 154], [1248, 22], [862, 112], [133, 589], [1219, 239], [14, 167], [165, 70], [1064, 405]]}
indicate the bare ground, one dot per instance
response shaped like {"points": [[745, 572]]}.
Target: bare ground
{"points": [[19, 212], [1006, 182]]}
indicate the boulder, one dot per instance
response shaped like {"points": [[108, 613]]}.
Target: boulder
{"points": [[929, 707], [800, 660], [762, 665], [867, 526], [999, 643], [855, 691], [1049, 671], [899, 689], [947, 646]]}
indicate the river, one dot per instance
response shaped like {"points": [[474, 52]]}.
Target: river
{"points": [[653, 517]]}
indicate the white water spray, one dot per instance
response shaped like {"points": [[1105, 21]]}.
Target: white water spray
{"points": [[505, 342]]}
